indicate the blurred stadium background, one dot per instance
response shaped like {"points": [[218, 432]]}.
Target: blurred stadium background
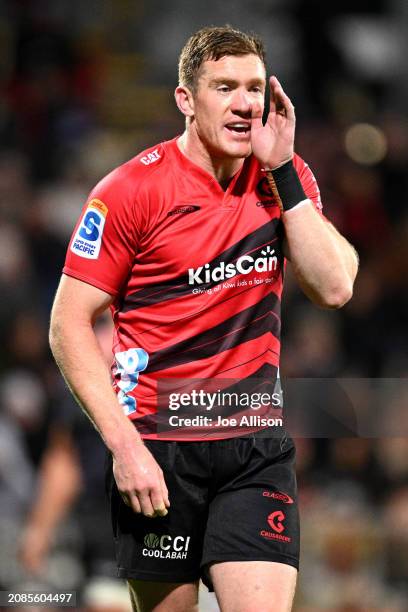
{"points": [[87, 85]]}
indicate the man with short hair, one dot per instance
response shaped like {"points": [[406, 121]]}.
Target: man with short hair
{"points": [[186, 244]]}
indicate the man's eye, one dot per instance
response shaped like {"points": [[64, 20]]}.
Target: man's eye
{"points": [[223, 88], [257, 89]]}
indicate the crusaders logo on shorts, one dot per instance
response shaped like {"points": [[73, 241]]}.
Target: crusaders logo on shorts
{"points": [[275, 522]]}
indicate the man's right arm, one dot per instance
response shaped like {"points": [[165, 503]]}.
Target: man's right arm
{"points": [[75, 348]]}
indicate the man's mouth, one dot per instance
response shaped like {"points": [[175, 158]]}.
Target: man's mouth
{"points": [[239, 127]]}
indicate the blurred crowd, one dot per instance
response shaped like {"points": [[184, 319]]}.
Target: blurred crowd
{"points": [[84, 87]]}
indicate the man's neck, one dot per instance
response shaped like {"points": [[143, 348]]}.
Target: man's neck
{"points": [[222, 169]]}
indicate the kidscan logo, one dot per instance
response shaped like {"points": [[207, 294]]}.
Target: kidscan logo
{"points": [[243, 265], [165, 546]]}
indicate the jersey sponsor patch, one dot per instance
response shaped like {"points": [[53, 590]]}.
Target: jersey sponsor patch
{"points": [[150, 158], [183, 210], [128, 365], [88, 238]]}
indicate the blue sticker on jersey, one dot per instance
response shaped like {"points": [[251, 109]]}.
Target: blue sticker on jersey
{"points": [[88, 237]]}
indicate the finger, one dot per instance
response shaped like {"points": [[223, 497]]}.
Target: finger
{"points": [[135, 504], [157, 501], [256, 115], [283, 103], [126, 499], [165, 491], [273, 81], [146, 505], [286, 105], [132, 502], [276, 93]]}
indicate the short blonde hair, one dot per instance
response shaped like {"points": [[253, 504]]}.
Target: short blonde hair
{"points": [[212, 43]]}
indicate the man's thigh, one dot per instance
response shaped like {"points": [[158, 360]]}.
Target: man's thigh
{"points": [[254, 515], [251, 586], [163, 596], [165, 549]]}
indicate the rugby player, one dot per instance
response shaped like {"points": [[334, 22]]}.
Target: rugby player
{"points": [[186, 243]]}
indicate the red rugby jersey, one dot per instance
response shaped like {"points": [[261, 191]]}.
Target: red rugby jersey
{"points": [[197, 277]]}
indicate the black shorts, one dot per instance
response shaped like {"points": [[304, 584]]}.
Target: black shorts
{"points": [[230, 500]]}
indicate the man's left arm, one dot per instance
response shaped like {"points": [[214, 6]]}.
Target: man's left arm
{"points": [[325, 264]]}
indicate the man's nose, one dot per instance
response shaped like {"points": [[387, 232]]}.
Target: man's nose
{"points": [[241, 102]]}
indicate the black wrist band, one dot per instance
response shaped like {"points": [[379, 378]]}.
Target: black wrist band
{"points": [[286, 186]]}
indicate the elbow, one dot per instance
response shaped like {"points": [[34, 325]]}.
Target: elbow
{"points": [[338, 296]]}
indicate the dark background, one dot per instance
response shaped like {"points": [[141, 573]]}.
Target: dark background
{"points": [[87, 85]]}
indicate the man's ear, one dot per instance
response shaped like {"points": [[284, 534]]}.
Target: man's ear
{"points": [[184, 100]]}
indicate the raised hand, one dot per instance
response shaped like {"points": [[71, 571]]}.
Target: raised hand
{"points": [[273, 143]]}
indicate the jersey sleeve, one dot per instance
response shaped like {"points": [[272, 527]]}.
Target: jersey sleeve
{"points": [[309, 182], [105, 240]]}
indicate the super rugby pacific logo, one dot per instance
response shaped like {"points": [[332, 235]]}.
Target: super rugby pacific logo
{"points": [[88, 237], [243, 265]]}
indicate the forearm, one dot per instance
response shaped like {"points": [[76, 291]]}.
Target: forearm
{"points": [[82, 364], [324, 263], [138, 476]]}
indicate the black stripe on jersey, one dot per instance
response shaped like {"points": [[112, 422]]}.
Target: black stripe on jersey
{"points": [[239, 365], [179, 286], [260, 318], [201, 312], [266, 376]]}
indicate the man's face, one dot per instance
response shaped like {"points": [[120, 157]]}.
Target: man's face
{"points": [[226, 91]]}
